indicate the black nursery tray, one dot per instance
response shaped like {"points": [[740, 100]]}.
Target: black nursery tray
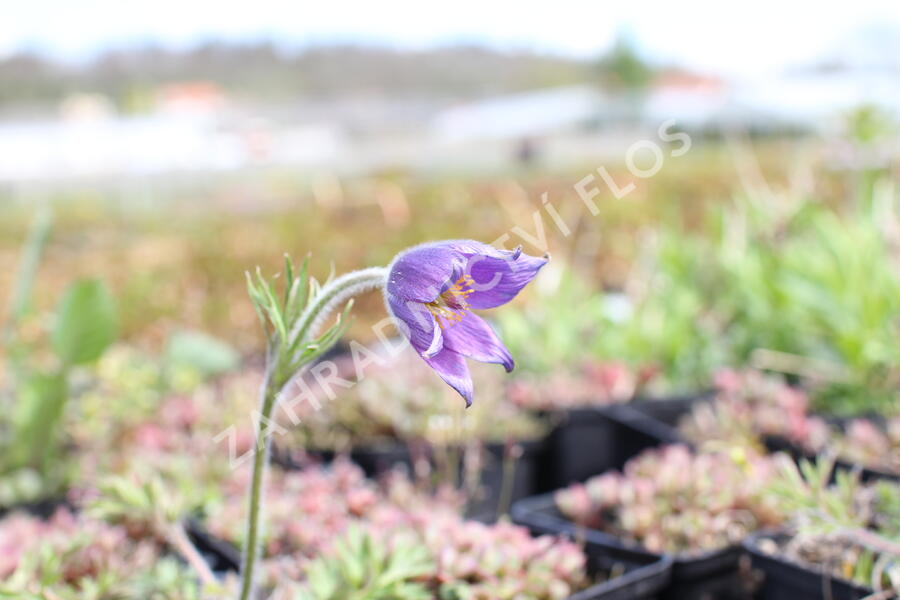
{"points": [[786, 580], [591, 441], [713, 574]]}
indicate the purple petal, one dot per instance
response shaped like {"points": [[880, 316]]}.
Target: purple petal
{"points": [[453, 369], [423, 272], [496, 281], [417, 324], [474, 338], [469, 248]]}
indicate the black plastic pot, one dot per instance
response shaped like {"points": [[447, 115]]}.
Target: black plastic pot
{"points": [[524, 471], [781, 579], [643, 579], [715, 574], [590, 441], [541, 516]]}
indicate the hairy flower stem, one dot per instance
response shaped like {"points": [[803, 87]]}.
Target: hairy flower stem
{"points": [[278, 374], [334, 294]]}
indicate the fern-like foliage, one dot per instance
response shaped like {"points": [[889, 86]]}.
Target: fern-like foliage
{"points": [[287, 318]]}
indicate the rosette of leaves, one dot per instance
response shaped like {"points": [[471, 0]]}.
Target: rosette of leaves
{"points": [[363, 569], [672, 500]]}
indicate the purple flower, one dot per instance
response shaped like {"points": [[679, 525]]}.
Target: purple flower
{"points": [[431, 291]]}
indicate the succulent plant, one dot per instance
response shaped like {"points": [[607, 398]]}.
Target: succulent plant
{"points": [[364, 569], [75, 557], [501, 561], [844, 528], [671, 500], [748, 406], [330, 500], [443, 557]]}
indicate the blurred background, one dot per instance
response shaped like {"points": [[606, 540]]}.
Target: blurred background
{"points": [[165, 148], [735, 271]]}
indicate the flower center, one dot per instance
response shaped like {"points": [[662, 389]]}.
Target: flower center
{"points": [[451, 306]]}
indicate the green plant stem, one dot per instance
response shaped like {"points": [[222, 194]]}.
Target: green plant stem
{"points": [[260, 466], [280, 368]]}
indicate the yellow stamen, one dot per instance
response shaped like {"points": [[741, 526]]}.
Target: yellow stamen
{"points": [[451, 306]]}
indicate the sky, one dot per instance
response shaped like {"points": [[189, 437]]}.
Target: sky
{"points": [[748, 38]]}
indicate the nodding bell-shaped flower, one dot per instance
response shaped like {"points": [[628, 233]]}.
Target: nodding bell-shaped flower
{"points": [[431, 291]]}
